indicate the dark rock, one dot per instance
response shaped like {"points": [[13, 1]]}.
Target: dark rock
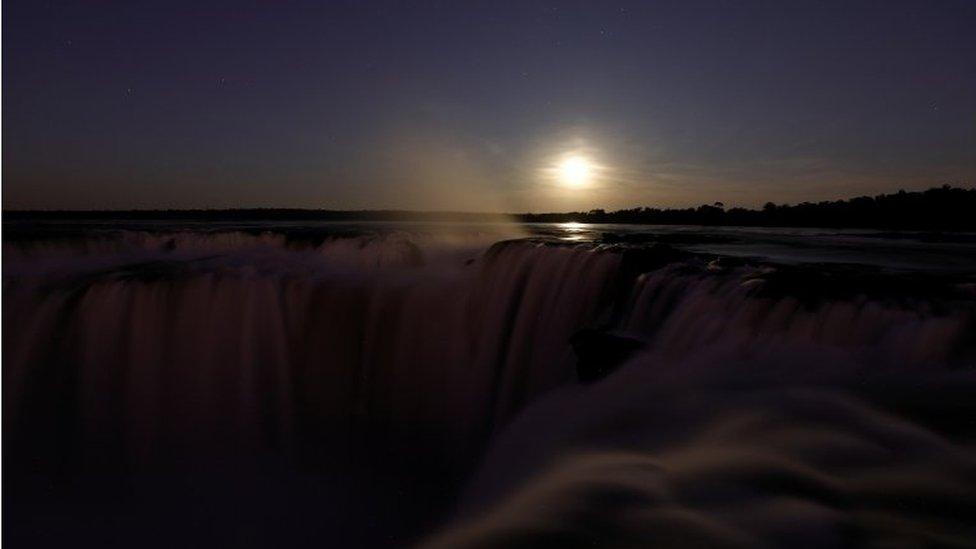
{"points": [[600, 353]]}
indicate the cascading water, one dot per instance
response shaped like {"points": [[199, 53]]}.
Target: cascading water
{"points": [[394, 361]]}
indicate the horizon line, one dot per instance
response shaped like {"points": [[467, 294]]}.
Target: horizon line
{"points": [[971, 187]]}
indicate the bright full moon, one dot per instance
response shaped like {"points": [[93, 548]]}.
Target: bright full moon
{"points": [[575, 171]]}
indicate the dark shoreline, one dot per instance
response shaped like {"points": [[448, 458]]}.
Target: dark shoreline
{"points": [[938, 209]]}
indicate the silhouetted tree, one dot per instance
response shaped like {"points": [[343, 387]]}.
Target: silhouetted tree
{"points": [[942, 208]]}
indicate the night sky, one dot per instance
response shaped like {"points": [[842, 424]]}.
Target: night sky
{"points": [[464, 106]]}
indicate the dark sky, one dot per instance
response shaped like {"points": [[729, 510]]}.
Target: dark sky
{"points": [[457, 105]]}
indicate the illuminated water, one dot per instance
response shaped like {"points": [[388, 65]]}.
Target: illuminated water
{"points": [[896, 250], [377, 384]]}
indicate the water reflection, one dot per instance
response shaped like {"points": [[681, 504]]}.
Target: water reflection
{"points": [[573, 231], [904, 250]]}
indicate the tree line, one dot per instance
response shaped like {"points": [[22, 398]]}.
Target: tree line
{"points": [[942, 208], [939, 208]]}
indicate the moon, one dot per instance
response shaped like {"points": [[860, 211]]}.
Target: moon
{"points": [[575, 171]]}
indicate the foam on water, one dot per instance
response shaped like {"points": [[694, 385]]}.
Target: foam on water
{"points": [[769, 403]]}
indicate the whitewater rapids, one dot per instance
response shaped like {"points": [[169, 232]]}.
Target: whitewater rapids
{"points": [[428, 383]]}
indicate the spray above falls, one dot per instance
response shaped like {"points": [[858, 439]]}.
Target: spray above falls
{"points": [[447, 369]]}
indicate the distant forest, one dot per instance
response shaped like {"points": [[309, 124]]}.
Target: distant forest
{"points": [[943, 208], [939, 208]]}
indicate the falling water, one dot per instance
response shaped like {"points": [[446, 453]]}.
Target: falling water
{"points": [[134, 355]]}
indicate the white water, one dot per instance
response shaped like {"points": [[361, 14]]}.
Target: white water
{"points": [[141, 352]]}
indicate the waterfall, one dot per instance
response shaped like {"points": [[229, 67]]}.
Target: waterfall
{"points": [[241, 343], [133, 353]]}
